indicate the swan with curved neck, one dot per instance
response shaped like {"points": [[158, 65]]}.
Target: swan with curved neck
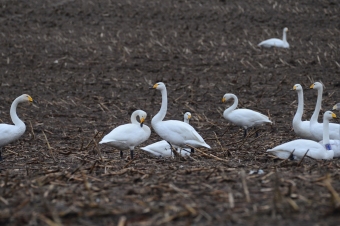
{"points": [[242, 117], [275, 42], [175, 132], [315, 126], [10, 133], [300, 127], [162, 148], [128, 136], [298, 148]]}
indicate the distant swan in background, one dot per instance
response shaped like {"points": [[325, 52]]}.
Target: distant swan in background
{"points": [[10, 133], [128, 136], [301, 128], [275, 42], [242, 117]]}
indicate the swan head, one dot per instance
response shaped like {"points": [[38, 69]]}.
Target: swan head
{"points": [[25, 98], [226, 97], [316, 85], [336, 107], [297, 87], [329, 115], [285, 29], [187, 115], [159, 86], [142, 116]]}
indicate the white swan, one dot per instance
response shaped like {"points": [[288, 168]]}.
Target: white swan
{"points": [[299, 147], [336, 107], [315, 127], [300, 127], [162, 148], [275, 42], [242, 117], [175, 132], [129, 135], [10, 133]]}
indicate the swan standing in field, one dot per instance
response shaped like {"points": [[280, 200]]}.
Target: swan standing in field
{"points": [[10, 133], [162, 148], [129, 135], [301, 146], [175, 132], [275, 42], [300, 127], [242, 117], [315, 126]]}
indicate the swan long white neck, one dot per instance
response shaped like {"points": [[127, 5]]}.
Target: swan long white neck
{"points": [[164, 107], [315, 115], [325, 137], [299, 111], [232, 107], [13, 112], [134, 117]]}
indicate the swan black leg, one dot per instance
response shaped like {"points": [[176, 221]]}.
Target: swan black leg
{"points": [[0, 154], [257, 133], [171, 148], [131, 153], [245, 133], [192, 150], [121, 154]]}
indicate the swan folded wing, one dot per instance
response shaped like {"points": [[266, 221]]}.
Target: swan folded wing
{"points": [[119, 134], [271, 43], [248, 118], [9, 133]]}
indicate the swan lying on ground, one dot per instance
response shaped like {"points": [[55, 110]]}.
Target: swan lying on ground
{"points": [[275, 42], [129, 135], [242, 117], [10, 133], [298, 148]]}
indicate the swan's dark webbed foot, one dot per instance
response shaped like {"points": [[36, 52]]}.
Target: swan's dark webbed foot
{"points": [[121, 154], [245, 133], [131, 154]]}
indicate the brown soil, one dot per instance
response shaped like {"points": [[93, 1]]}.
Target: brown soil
{"points": [[88, 65]]}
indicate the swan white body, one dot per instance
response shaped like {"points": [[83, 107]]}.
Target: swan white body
{"points": [[129, 135], [315, 126], [10, 133], [299, 147], [275, 42], [162, 148], [301, 128], [242, 117], [175, 132]]}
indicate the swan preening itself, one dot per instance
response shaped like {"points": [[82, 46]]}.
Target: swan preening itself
{"points": [[10, 133], [315, 126], [242, 117], [163, 149], [301, 128], [298, 148], [275, 42], [177, 133], [129, 135]]}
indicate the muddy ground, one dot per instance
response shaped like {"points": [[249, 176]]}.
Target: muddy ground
{"points": [[89, 64]]}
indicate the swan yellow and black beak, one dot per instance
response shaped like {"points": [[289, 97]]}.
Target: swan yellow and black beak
{"points": [[333, 115], [294, 87], [312, 86], [155, 86], [189, 116], [224, 99], [142, 119], [335, 107], [30, 99]]}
